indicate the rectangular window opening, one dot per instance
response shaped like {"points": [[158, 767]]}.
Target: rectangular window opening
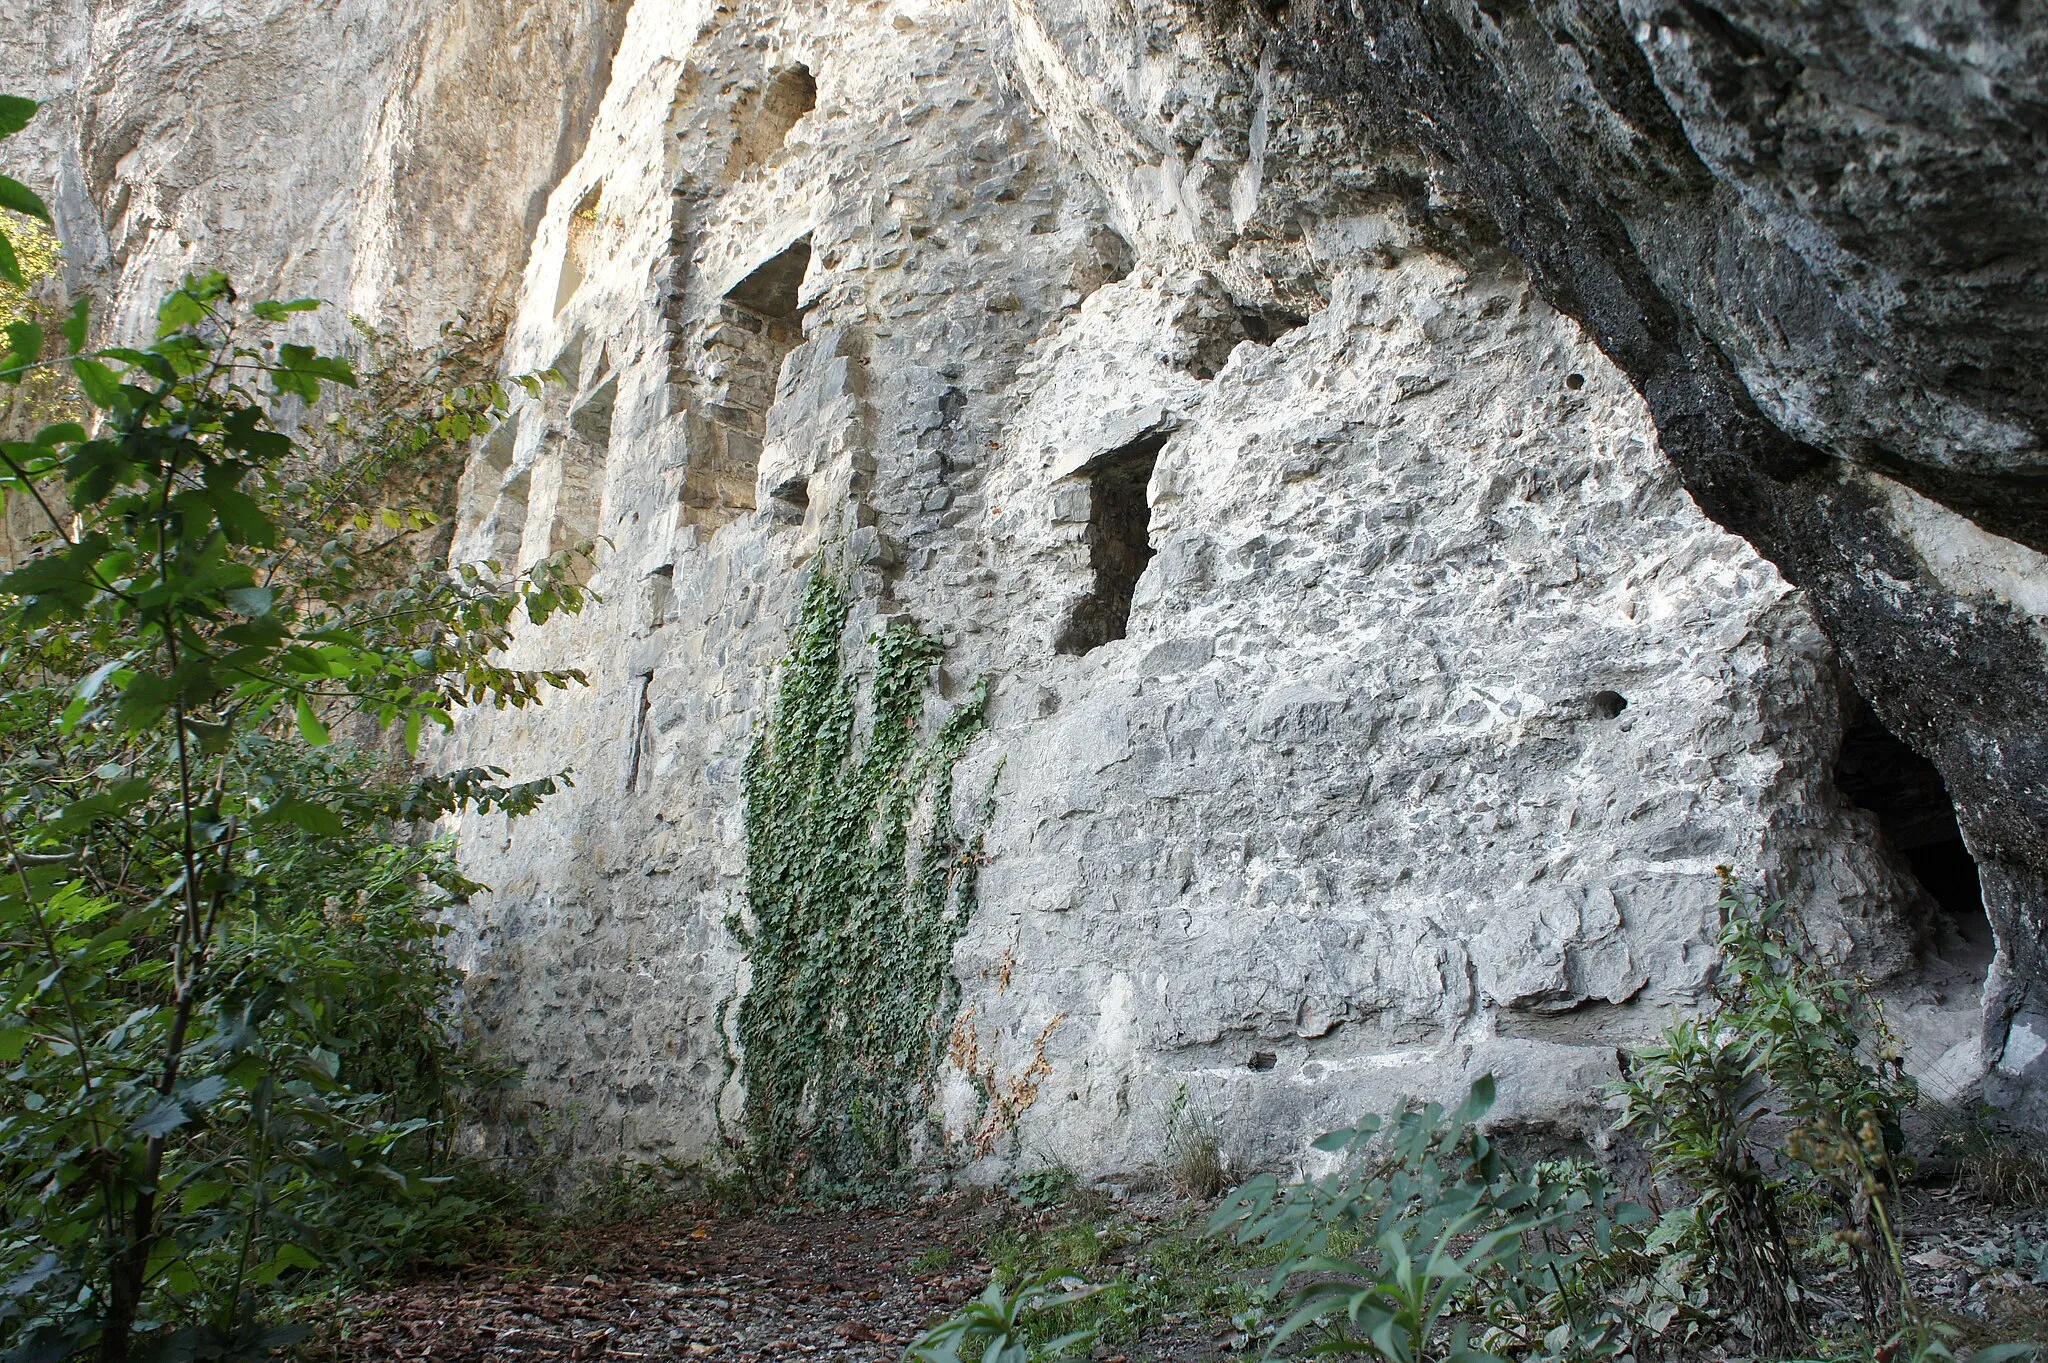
{"points": [[1119, 543]]}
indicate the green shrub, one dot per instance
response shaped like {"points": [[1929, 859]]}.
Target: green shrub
{"points": [[1790, 1081]]}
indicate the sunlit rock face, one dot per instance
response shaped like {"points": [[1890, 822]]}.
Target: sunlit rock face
{"points": [[1372, 701]]}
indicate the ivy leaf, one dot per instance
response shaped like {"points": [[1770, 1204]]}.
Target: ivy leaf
{"points": [[10, 268]]}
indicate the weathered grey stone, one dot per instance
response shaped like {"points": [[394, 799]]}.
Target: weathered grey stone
{"points": [[1411, 749]]}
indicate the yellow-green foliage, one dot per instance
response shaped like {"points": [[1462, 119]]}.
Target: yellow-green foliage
{"points": [[37, 252], [44, 395]]}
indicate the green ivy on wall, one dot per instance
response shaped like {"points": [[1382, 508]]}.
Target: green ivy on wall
{"points": [[852, 920]]}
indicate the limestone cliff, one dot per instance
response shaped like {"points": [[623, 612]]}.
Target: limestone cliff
{"points": [[1424, 485]]}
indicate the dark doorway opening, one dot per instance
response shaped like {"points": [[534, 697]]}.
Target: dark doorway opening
{"points": [[1119, 542], [1916, 816]]}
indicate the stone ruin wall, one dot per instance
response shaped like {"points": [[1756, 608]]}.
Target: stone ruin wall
{"points": [[1409, 753]]}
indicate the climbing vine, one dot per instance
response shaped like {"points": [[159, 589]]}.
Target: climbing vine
{"points": [[851, 918]]}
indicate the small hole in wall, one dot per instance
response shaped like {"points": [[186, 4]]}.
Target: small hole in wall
{"points": [[1575, 381], [1262, 1060], [790, 499], [1119, 541], [1607, 704], [1263, 326], [1108, 259], [1114, 253], [1916, 819]]}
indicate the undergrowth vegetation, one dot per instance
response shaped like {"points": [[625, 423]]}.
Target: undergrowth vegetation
{"points": [[1079, 1270], [1774, 1126], [231, 1070]]}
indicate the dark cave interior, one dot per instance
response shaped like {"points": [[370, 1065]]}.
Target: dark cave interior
{"points": [[1916, 816]]}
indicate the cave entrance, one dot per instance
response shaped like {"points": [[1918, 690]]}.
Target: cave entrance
{"points": [[1119, 542], [1917, 819]]}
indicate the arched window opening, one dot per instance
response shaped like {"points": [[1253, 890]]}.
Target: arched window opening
{"points": [[758, 322], [766, 126]]}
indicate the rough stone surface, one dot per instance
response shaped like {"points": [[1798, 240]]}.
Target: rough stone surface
{"points": [[1449, 335], [1813, 238]]}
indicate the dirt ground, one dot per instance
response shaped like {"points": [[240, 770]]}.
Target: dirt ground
{"points": [[859, 1285], [850, 1285]]}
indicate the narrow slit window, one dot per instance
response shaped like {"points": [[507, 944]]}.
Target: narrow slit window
{"points": [[576, 255], [637, 739]]}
